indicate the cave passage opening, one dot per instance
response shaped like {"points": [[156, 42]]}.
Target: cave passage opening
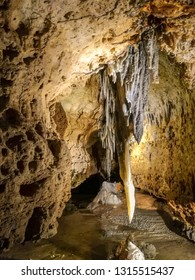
{"points": [[84, 194], [86, 191]]}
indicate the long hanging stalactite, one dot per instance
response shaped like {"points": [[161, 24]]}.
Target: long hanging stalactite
{"points": [[124, 90]]}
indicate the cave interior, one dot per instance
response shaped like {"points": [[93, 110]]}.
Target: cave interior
{"points": [[93, 92]]}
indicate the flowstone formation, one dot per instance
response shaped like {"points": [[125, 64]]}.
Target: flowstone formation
{"points": [[124, 90]]}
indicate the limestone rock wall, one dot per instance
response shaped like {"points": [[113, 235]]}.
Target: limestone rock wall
{"points": [[34, 171], [34, 175], [34, 161], [83, 116], [50, 53], [163, 163]]}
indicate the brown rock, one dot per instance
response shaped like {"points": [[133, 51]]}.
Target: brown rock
{"points": [[50, 54]]}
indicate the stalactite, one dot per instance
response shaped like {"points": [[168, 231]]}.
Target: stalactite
{"points": [[124, 90], [107, 134]]}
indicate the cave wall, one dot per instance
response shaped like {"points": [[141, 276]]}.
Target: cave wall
{"points": [[163, 163], [50, 56], [83, 113], [34, 161], [35, 164], [48, 106], [34, 173]]}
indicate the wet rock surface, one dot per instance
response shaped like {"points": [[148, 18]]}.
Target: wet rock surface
{"points": [[93, 238]]}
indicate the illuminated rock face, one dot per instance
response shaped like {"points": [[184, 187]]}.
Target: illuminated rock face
{"points": [[51, 53], [163, 163], [49, 107]]}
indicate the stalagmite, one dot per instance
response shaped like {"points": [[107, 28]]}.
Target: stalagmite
{"points": [[106, 196], [124, 90]]}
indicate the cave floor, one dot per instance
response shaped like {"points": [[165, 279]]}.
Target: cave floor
{"points": [[83, 235]]}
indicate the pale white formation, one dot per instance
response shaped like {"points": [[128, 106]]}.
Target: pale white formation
{"points": [[134, 253], [106, 196]]}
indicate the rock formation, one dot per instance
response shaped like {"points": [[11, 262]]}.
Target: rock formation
{"points": [[50, 115]]}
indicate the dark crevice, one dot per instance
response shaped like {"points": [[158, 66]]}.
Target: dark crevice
{"points": [[4, 243], [30, 135], [39, 129], [15, 142], [3, 124], [86, 191], [5, 82], [55, 147], [32, 166], [10, 52], [4, 152], [22, 30], [4, 99], [4, 5], [33, 229], [5, 169], [12, 117], [31, 189], [20, 166], [38, 153], [2, 187], [28, 60]]}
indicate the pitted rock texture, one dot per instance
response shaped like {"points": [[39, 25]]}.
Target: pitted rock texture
{"points": [[50, 53], [43, 52], [34, 176], [183, 216]]}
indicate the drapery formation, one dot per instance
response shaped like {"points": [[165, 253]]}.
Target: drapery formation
{"points": [[124, 90]]}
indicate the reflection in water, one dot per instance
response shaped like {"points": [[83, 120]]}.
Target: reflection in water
{"points": [[85, 235]]}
